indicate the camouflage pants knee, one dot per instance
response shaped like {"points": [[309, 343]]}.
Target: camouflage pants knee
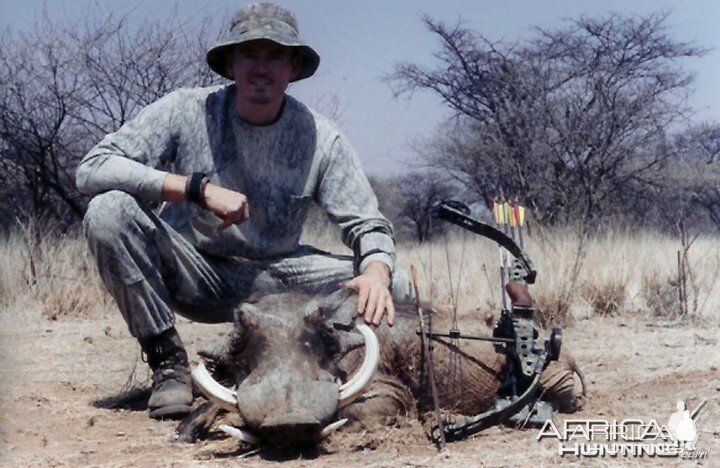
{"points": [[153, 272]]}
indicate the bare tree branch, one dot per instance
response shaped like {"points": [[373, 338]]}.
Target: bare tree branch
{"points": [[66, 85], [575, 120]]}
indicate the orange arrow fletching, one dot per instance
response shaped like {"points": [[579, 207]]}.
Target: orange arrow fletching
{"points": [[508, 213]]}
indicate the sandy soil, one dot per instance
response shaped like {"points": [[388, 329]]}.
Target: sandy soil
{"points": [[55, 373]]}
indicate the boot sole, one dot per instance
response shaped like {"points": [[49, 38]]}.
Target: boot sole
{"points": [[171, 412]]}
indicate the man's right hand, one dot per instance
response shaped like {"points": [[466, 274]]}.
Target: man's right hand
{"points": [[230, 206]]}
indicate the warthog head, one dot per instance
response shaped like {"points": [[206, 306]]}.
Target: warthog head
{"points": [[283, 356]]}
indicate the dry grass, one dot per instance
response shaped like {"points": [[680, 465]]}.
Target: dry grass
{"points": [[55, 272], [13, 282], [622, 273]]}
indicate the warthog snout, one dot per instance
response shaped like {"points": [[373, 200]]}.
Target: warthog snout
{"points": [[288, 406], [295, 428]]}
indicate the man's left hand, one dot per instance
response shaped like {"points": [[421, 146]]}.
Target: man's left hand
{"points": [[374, 297]]}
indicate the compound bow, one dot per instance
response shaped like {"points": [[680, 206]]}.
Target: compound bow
{"points": [[515, 335]]}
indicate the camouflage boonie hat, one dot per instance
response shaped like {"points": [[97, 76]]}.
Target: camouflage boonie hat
{"points": [[263, 21]]}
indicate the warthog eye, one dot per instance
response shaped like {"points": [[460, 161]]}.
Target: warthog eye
{"points": [[322, 342]]}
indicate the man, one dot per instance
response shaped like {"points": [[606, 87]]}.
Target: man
{"points": [[237, 167]]}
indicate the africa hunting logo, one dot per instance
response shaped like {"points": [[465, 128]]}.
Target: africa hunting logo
{"points": [[630, 437]]}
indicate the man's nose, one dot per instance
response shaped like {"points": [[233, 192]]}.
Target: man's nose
{"points": [[260, 66]]}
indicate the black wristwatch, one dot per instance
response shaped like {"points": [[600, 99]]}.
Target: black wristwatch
{"points": [[195, 188]]}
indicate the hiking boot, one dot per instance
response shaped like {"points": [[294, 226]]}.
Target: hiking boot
{"points": [[171, 396]]}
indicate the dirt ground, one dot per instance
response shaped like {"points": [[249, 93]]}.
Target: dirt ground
{"points": [[57, 373]]}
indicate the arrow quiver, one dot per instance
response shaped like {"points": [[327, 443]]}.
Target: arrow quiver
{"points": [[515, 334]]}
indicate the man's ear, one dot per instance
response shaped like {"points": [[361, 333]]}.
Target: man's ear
{"points": [[229, 57], [296, 64]]}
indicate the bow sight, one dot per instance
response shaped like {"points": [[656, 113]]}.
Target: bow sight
{"points": [[514, 335]]}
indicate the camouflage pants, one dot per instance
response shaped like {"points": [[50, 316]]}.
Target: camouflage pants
{"points": [[152, 271]]}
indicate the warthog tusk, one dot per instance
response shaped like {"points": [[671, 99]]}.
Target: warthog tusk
{"points": [[353, 388], [214, 391], [330, 428], [239, 434]]}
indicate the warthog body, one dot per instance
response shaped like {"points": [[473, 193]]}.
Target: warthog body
{"points": [[287, 353]]}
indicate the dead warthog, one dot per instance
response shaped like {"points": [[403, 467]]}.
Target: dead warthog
{"points": [[283, 373]]}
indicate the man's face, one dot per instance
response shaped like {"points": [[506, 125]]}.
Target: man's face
{"points": [[262, 70]]}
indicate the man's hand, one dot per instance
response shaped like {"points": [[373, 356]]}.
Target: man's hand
{"points": [[374, 297], [230, 206]]}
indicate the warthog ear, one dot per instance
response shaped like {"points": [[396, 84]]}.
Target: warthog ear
{"points": [[336, 299], [313, 314], [246, 315], [339, 308]]}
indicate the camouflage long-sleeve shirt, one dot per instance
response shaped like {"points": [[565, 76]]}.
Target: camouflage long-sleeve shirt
{"points": [[280, 167]]}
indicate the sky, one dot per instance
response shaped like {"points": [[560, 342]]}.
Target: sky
{"points": [[360, 42]]}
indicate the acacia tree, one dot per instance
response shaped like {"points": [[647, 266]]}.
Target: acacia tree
{"points": [[35, 105], [65, 85], [418, 193], [574, 120], [705, 144], [691, 190]]}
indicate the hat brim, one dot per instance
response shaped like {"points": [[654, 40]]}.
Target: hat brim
{"points": [[309, 59]]}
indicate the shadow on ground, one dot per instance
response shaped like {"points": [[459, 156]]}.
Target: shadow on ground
{"points": [[132, 399]]}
